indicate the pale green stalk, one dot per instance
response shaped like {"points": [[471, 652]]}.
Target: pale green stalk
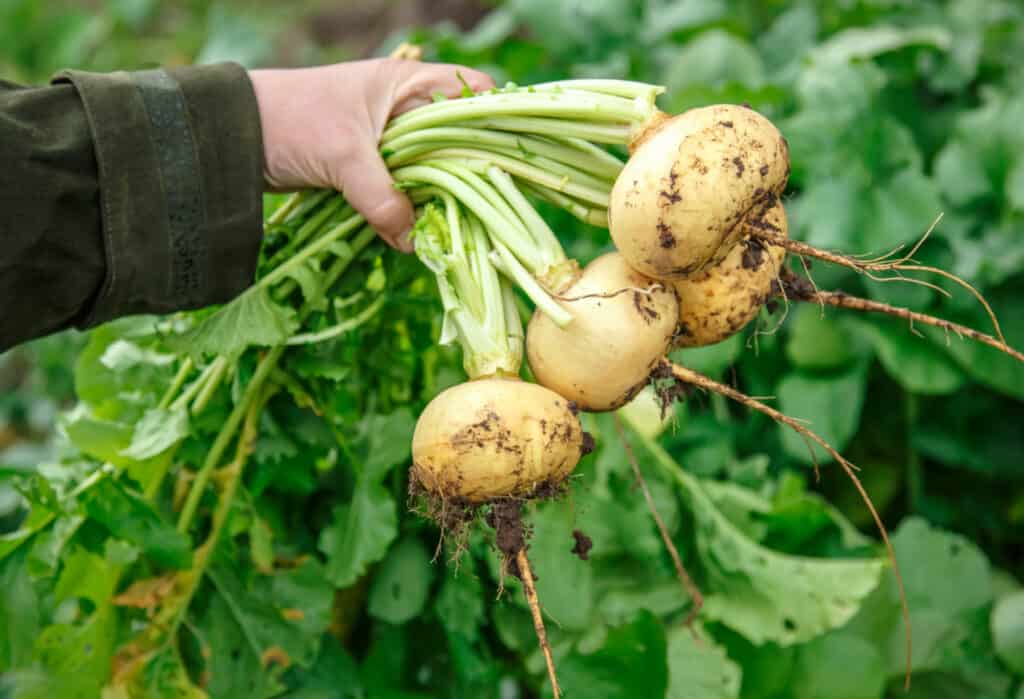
{"points": [[195, 387], [319, 245], [498, 225], [593, 160], [179, 380], [289, 204], [538, 227], [613, 134], [341, 328], [213, 381], [585, 213], [611, 164], [305, 202], [486, 348], [507, 263], [598, 193], [581, 105]]}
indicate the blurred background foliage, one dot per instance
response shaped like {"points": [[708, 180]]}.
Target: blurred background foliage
{"points": [[895, 111]]}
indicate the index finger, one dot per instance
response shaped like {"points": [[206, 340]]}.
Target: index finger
{"points": [[420, 82]]}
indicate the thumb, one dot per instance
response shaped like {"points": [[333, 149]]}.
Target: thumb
{"points": [[368, 187]]}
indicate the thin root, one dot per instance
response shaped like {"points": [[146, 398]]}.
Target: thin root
{"points": [[872, 267], [611, 294], [526, 575], [688, 376], [795, 289], [689, 586]]}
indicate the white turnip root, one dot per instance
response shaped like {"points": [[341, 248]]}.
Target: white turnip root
{"points": [[680, 202], [495, 438], [622, 325], [719, 302]]}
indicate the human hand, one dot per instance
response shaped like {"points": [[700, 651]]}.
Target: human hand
{"points": [[322, 126]]}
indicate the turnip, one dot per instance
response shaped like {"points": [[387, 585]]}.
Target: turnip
{"points": [[495, 438], [622, 325], [691, 181], [717, 302]]}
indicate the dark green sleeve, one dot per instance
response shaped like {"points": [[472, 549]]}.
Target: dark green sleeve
{"points": [[126, 193]]}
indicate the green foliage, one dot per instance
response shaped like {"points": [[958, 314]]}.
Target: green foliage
{"points": [[325, 586], [252, 320]]}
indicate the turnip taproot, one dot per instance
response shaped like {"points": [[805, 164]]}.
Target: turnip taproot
{"points": [[796, 288]]}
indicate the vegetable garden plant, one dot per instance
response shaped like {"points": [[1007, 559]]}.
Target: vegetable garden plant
{"points": [[348, 482]]}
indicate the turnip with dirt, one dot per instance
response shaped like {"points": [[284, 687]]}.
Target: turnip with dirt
{"points": [[622, 325], [721, 300], [691, 181]]}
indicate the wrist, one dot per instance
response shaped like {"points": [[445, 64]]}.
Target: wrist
{"points": [[267, 86]]}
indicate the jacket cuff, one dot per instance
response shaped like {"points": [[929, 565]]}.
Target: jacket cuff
{"points": [[180, 156]]}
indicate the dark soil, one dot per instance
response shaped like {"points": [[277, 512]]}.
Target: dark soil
{"points": [[740, 167], [667, 389], [504, 515], [506, 519], [753, 254], [794, 287], [665, 238], [645, 307], [587, 446], [582, 546]]}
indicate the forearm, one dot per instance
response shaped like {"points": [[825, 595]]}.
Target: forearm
{"points": [[126, 193], [52, 258]]}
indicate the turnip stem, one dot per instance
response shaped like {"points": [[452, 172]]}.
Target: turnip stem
{"points": [[319, 245], [253, 402], [456, 248], [594, 193], [485, 189], [584, 212], [526, 575], [227, 432], [508, 232], [347, 325], [540, 166], [630, 89], [505, 261], [313, 225], [179, 380], [304, 202], [287, 206], [565, 104], [689, 586], [220, 366], [593, 161], [543, 236], [614, 134], [195, 387]]}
